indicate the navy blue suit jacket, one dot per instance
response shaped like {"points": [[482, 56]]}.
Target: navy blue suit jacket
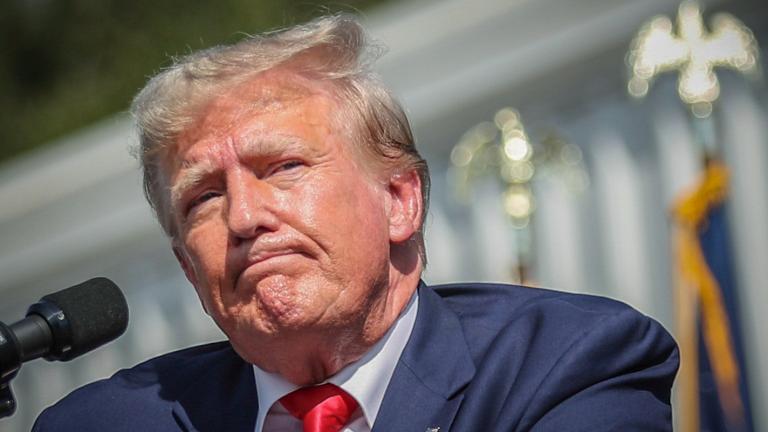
{"points": [[481, 358]]}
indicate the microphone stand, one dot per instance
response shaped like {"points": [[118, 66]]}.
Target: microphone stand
{"points": [[7, 402], [10, 363]]}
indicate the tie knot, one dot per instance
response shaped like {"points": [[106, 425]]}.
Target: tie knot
{"points": [[323, 408]]}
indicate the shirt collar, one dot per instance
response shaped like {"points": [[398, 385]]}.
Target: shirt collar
{"points": [[365, 379]]}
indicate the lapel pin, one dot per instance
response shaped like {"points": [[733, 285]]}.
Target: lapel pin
{"points": [[433, 429]]}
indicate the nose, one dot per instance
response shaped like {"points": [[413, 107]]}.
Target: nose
{"points": [[250, 209]]}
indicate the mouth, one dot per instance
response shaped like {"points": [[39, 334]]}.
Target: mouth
{"points": [[264, 256], [264, 263]]}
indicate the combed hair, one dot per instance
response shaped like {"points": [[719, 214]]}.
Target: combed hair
{"points": [[332, 49]]}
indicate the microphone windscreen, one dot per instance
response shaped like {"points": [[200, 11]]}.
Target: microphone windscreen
{"points": [[96, 311]]}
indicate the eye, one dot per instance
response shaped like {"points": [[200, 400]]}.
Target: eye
{"points": [[289, 165], [286, 168], [200, 199]]}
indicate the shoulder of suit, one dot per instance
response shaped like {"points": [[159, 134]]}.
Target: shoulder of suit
{"points": [[178, 365], [547, 355], [481, 301], [149, 387], [490, 312]]}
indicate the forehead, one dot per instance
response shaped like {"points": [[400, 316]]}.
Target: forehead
{"points": [[257, 108], [263, 97]]}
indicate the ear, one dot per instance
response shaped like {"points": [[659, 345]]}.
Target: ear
{"points": [[185, 263], [405, 206]]}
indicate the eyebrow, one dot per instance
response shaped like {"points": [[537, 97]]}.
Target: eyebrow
{"points": [[195, 172], [272, 144], [192, 174]]}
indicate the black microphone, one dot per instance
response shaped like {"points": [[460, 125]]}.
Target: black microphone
{"points": [[63, 325]]}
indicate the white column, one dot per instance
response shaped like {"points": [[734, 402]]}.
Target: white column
{"points": [[558, 238], [444, 250], [618, 187], [678, 153]]}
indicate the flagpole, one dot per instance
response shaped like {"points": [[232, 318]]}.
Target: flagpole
{"points": [[686, 308]]}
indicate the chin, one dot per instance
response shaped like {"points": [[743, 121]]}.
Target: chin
{"points": [[264, 320]]}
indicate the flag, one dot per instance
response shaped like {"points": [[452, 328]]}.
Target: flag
{"points": [[713, 394]]}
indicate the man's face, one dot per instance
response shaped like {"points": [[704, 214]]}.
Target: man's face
{"points": [[281, 229]]}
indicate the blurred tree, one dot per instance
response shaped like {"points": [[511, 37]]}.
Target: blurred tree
{"points": [[67, 63]]}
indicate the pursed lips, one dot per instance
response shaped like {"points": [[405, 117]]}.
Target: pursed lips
{"points": [[262, 256], [259, 256]]}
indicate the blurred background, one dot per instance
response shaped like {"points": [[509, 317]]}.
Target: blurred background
{"points": [[544, 168]]}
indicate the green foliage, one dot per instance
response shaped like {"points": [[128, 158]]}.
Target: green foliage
{"points": [[67, 63]]}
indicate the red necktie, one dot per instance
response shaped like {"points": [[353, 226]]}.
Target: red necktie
{"points": [[323, 408]]}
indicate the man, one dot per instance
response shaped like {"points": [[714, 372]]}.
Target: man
{"points": [[287, 180]]}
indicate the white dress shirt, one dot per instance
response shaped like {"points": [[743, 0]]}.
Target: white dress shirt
{"points": [[366, 380]]}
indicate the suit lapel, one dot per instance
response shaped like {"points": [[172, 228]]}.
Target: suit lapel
{"points": [[427, 386], [222, 400]]}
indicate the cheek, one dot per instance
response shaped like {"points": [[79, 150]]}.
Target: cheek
{"points": [[207, 249], [358, 222], [339, 209]]}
